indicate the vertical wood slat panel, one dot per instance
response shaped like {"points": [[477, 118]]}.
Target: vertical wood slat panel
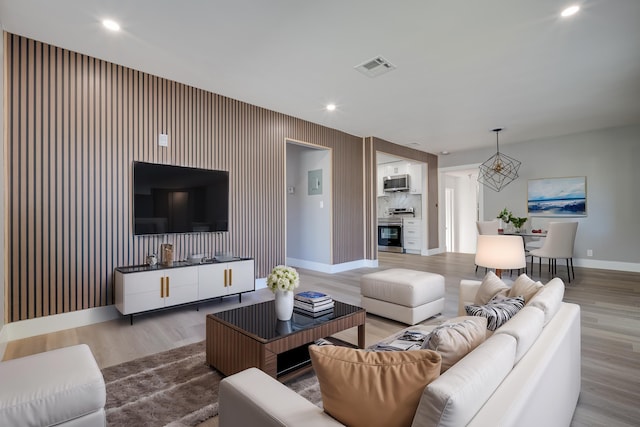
{"points": [[75, 125]]}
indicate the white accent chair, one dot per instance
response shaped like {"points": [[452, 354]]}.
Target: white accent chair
{"points": [[557, 245]]}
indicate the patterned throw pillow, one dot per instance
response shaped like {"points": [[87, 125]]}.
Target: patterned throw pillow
{"points": [[497, 311], [491, 286]]}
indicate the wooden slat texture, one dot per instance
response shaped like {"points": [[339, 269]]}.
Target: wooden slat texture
{"points": [[74, 127]]}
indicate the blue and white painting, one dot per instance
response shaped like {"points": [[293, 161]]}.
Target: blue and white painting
{"points": [[558, 197]]}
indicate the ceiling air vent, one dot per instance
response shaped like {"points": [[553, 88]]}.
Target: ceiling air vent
{"points": [[374, 67]]}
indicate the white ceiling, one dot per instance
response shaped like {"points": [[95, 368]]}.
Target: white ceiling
{"points": [[463, 67]]}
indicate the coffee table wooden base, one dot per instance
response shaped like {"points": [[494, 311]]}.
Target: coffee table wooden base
{"points": [[231, 350]]}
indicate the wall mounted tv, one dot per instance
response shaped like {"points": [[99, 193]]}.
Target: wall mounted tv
{"points": [[176, 199]]}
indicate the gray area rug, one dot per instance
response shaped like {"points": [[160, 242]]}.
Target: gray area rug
{"points": [[174, 388]]}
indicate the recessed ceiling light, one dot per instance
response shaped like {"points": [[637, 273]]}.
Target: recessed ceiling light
{"points": [[572, 10], [331, 107], [111, 25]]}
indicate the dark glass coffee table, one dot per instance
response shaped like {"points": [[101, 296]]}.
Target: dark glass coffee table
{"points": [[251, 336]]}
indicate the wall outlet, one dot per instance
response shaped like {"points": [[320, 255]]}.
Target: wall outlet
{"points": [[589, 252]]}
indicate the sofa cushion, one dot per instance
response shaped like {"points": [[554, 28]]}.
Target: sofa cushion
{"points": [[525, 327], [364, 388], [491, 286], [455, 338], [524, 286], [457, 395], [497, 311], [548, 298], [51, 388]]}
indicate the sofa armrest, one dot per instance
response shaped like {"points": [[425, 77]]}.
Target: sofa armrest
{"points": [[467, 294], [253, 398]]}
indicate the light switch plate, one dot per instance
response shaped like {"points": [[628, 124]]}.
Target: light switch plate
{"points": [[163, 141]]}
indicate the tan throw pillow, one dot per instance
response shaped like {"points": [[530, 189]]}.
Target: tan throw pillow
{"points": [[366, 388], [524, 286], [455, 338], [491, 286]]}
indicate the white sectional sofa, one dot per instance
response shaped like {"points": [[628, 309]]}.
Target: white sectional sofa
{"points": [[527, 373]]}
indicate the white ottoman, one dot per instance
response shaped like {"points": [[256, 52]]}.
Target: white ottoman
{"points": [[58, 387], [407, 296]]}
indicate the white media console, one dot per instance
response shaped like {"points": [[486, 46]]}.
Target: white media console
{"points": [[144, 288]]}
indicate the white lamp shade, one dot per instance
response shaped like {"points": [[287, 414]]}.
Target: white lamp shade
{"points": [[500, 252]]}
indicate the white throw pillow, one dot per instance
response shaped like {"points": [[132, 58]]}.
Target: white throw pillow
{"points": [[524, 286], [491, 286]]}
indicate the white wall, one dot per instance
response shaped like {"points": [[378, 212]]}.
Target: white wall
{"points": [[609, 159], [465, 203], [308, 224]]}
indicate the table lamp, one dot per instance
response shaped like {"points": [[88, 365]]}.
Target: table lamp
{"points": [[500, 252]]}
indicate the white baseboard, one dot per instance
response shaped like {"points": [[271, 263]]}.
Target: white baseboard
{"points": [[332, 268], [598, 264], [3, 340], [57, 322], [605, 265], [261, 283], [434, 251]]}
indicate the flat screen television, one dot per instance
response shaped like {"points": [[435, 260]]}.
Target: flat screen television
{"points": [[177, 199]]}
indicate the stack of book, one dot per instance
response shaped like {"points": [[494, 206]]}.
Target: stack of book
{"points": [[312, 303]]}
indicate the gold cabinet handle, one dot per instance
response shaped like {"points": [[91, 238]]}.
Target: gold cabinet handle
{"points": [[230, 277], [225, 277], [162, 287], [167, 287]]}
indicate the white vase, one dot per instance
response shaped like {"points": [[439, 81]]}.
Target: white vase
{"points": [[284, 305], [284, 327]]}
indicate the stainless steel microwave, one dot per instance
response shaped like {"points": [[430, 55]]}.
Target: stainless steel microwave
{"points": [[396, 183]]}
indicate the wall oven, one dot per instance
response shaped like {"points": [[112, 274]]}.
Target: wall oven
{"points": [[390, 235]]}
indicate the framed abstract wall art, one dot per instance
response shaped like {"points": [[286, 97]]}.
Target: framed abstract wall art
{"points": [[557, 197]]}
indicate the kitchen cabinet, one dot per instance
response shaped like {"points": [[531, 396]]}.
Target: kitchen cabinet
{"points": [[380, 181], [394, 168], [412, 235], [415, 178]]}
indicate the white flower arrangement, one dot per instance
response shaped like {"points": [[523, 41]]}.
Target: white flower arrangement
{"points": [[283, 278]]}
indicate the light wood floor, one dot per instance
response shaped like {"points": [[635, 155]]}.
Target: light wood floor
{"points": [[609, 301]]}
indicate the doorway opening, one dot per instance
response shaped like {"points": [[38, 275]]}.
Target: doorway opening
{"points": [[461, 197], [308, 206], [401, 204]]}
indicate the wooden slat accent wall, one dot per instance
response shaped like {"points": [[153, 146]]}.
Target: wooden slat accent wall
{"points": [[74, 127], [376, 144]]}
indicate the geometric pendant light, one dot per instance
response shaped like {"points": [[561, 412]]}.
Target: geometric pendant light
{"points": [[498, 170]]}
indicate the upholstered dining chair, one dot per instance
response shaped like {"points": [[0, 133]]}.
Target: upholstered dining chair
{"points": [[558, 244], [487, 228]]}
